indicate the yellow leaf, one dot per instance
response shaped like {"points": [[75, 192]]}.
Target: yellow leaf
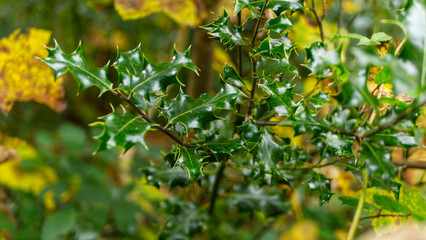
{"points": [[306, 31], [22, 76], [182, 11], [350, 7], [302, 230], [286, 132], [220, 59], [14, 176]]}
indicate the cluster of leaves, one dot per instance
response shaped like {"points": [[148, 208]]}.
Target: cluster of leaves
{"points": [[354, 123]]}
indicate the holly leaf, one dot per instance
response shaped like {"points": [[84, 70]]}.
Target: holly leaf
{"points": [[232, 77], [223, 145], [273, 48], [75, 63], [166, 175], [278, 6], [270, 152], [318, 183], [139, 76], [252, 198], [222, 29], [241, 4], [319, 60], [278, 24], [190, 159], [186, 219], [121, 131], [395, 140], [378, 162], [338, 146], [195, 113], [280, 97]]}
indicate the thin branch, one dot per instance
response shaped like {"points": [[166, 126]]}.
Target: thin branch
{"points": [[218, 178], [379, 215], [253, 88], [312, 166], [253, 64], [324, 9], [240, 49], [319, 21], [256, 30], [360, 206], [390, 123], [419, 165], [333, 129], [148, 119]]}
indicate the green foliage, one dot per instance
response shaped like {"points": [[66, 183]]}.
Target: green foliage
{"points": [[232, 165]]}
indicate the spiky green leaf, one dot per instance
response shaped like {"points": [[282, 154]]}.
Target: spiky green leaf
{"points": [[85, 75], [121, 131]]}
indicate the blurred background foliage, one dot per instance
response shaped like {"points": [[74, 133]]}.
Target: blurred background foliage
{"points": [[52, 187]]}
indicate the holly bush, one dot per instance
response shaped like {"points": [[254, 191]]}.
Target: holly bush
{"points": [[240, 154]]}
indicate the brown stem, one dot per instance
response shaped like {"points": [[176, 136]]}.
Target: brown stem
{"points": [[379, 215], [219, 175], [419, 165], [319, 21], [324, 9], [148, 119], [333, 129], [240, 50]]}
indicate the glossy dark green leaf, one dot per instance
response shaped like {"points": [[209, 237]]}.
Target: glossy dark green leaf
{"points": [[195, 113], [222, 29], [318, 183], [319, 59], [278, 24], [271, 67], [252, 198], [166, 175], [190, 159], [185, 219], [241, 4], [75, 63], [58, 223], [306, 122], [378, 162], [274, 48], [121, 131], [338, 145], [223, 145], [395, 139], [138, 76], [270, 152], [231, 77], [251, 132], [279, 6], [280, 97]]}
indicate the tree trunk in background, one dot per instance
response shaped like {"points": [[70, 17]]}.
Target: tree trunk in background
{"points": [[203, 52]]}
